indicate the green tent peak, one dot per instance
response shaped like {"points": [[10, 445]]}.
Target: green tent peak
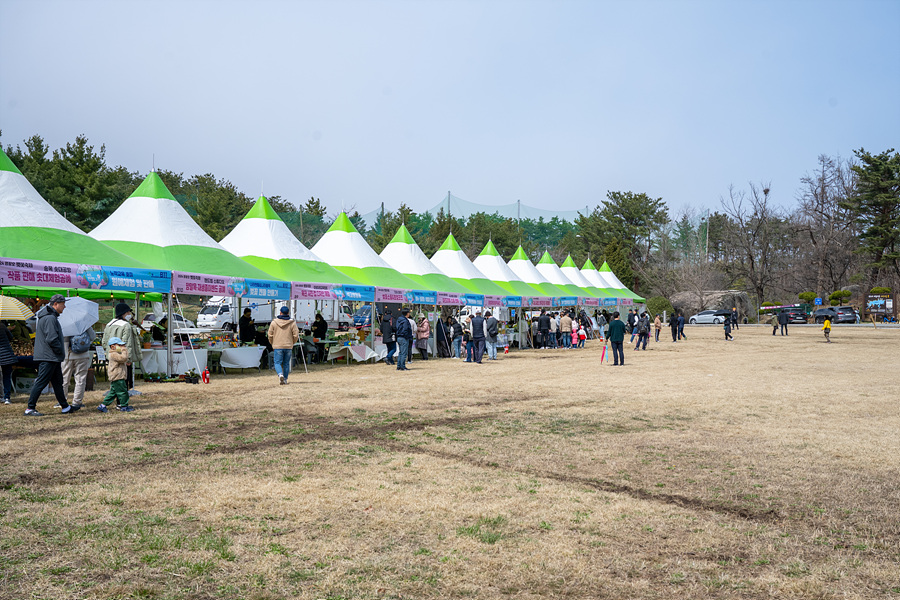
{"points": [[569, 262], [605, 268], [450, 244], [152, 187], [546, 260], [262, 210], [489, 250], [519, 255], [6, 164], [402, 236], [342, 223], [589, 266]]}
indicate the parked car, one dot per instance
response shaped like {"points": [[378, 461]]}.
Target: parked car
{"points": [[180, 322], [838, 314], [796, 315], [709, 316]]}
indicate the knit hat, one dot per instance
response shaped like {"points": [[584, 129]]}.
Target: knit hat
{"points": [[285, 310], [122, 309]]}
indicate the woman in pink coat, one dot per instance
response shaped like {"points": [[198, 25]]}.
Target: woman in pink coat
{"points": [[423, 332]]}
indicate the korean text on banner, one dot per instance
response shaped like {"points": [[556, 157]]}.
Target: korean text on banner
{"points": [[316, 291], [626, 301], [610, 301], [540, 301], [590, 301], [14, 271], [359, 293], [447, 299], [494, 300], [474, 299], [513, 301], [421, 297], [391, 295], [567, 300]]}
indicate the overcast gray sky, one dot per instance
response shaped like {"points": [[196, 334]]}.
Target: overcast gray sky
{"points": [[550, 102]]}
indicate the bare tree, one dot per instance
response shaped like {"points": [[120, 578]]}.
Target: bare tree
{"points": [[753, 233], [827, 226]]}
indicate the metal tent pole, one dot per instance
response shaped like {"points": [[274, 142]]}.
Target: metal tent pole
{"points": [[169, 337]]}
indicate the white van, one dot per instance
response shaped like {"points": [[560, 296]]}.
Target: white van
{"points": [[221, 312]]}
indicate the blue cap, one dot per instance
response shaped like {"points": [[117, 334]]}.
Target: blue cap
{"points": [[116, 341], [285, 310]]}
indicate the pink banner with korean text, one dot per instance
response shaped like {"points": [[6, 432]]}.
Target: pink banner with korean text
{"points": [[447, 299], [589, 301], [35, 273], [540, 301], [391, 295], [494, 300], [219, 285], [316, 291]]}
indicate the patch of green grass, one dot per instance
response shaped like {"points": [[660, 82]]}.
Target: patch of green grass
{"points": [[486, 530]]}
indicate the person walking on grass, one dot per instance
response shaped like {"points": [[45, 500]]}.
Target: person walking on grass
{"points": [[826, 328], [478, 336], [783, 318], [728, 336], [657, 324], [49, 354], [283, 334], [404, 339], [617, 339], [7, 360], [388, 336], [681, 335], [117, 372], [643, 330], [78, 360], [565, 330], [492, 330], [632, 324], [734, 317], [673, 325]]}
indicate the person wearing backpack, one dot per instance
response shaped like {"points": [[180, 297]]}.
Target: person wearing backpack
{"points": [[643, 330], [78, 361], [491, 330]]}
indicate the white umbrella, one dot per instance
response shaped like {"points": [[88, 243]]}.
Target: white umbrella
{"points": [[78, 315]]}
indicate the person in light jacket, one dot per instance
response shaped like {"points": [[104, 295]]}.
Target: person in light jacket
{"points": [[77, 365], [283, 334], [423, 332]]}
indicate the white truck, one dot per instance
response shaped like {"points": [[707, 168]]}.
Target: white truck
{"points": [[221, 312], [338, 314]]}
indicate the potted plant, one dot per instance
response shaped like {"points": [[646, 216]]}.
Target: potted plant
{"points": [[191, 376], [146, 340]]}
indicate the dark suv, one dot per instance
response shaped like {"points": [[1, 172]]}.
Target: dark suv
{"points": [[795, 315]]}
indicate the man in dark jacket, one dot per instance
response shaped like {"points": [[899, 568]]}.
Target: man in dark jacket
{"points": [[544, 329], [478, 334], [734, 317], [387, 336], [632, 323], [492, 329], [783, 319], [404, 338], [617, 339], [49, 353]]}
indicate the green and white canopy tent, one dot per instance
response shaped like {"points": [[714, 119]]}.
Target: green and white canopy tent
{"points": [[345, 249], [452, 261], [263, 240], [404, 255], [494, 268], [590, 273], [552, 273], [618, 288], [154, 228], [32, 229], [522, 267], [570, 270]]}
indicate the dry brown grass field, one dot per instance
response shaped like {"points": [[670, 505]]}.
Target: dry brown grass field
{"points": [[766, 467]]}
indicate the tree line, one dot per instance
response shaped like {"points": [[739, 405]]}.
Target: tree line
{"points": [[840, 228]]}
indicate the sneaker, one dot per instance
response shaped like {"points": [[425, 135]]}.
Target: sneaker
{"points": [[126, 408], [30, 412], [281, 379], [6, 401], [102, 408], [71, 409], [80, 405]]}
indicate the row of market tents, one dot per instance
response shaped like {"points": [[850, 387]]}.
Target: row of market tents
{"points": [[152, 231]]}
